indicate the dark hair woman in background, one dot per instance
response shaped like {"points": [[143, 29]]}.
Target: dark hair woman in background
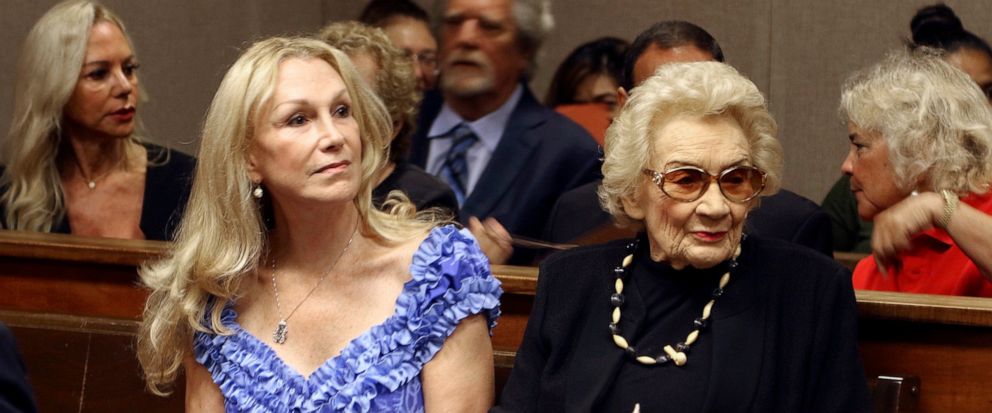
{"points": [[938, 27], [591, 73]]}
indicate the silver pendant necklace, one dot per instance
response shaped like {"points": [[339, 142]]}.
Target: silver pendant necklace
{"points": [[282, 328]]}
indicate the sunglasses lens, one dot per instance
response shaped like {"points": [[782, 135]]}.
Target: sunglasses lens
{"points": [[741, 183], [684, 184]]}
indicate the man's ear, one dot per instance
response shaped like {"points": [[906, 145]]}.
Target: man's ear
{"points": [[621, 97]]}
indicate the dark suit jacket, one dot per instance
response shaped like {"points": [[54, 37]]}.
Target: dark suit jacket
{"points": [[541, 155], [784, 335], [15, 392], [167, 188], [785, 216]]}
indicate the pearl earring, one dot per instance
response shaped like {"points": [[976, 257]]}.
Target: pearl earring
{"points": [[258, 192]]}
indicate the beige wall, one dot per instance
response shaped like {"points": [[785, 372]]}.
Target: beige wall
{"points": [[797, 52], [184, 47]]}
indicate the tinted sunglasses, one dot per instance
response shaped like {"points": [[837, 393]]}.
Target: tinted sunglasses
{"points": [[688, 183]]}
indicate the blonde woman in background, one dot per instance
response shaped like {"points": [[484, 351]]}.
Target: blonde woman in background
{"points": [[391, 75], [297, 294], [73, 161]]}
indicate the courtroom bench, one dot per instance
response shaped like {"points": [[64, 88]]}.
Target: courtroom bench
{"points": [[85, 364], [944, 342]]}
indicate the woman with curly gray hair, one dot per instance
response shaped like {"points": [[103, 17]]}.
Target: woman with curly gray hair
{"points": [[391, 75], [684, 316], [920, 164]]}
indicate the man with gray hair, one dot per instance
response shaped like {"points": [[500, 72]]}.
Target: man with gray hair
{"points": [[507, 157]]}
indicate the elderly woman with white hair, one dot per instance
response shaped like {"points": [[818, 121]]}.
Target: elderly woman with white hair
{"points": [[920, 164], [692, 315]]}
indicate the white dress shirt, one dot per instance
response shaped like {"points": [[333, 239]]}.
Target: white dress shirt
{"points": [[488, 128]]}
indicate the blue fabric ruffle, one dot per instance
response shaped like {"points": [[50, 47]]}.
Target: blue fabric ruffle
{"points": [[379, 369]]}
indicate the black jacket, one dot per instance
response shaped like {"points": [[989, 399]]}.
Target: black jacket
{"points": [[540, 155], [423, 189], [784, 335], [167, 188]]}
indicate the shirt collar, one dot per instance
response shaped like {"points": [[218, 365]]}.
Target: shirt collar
{"points": [[488, 128]]}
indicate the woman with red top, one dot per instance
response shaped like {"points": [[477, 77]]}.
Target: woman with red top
{"points": [[920, 165]]}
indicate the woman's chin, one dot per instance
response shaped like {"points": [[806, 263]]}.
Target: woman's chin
{"points": [[707, 256]]}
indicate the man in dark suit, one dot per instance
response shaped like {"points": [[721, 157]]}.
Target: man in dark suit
{"points": [[785, 215], [507, 157]]}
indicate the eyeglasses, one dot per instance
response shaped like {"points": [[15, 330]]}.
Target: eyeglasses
{"points": [[425, 59], [688, 183]]}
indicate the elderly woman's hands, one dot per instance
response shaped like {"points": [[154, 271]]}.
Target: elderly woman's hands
{"points": [[895, 227], [493, 238]]}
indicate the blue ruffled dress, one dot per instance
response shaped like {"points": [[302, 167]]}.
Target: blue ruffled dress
{"points": [[379, 371]]}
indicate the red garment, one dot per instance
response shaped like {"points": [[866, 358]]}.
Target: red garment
{"points": [[594, 117], [932, 265]]}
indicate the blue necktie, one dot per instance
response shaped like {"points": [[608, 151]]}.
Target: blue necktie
{"points": [[454, 170]]}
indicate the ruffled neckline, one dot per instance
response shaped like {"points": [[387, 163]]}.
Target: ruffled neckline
{"points": [[380, 355]]}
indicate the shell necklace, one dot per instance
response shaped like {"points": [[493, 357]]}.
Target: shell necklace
{"points": [[674, 354], [282, 330]]}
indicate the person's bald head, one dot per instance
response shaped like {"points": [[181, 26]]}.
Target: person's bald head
{"points": [[666, 42], [669, 41], [655, 56]]}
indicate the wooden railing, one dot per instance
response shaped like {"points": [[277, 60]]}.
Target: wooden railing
{"points": [[62, 294], [849, 259]]}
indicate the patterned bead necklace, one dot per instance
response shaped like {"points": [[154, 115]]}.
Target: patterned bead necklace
{"points": [[675, 354]]}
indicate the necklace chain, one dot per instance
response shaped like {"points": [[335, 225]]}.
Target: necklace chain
{"points": [[677, 353], [91, 182], [282, 328]]}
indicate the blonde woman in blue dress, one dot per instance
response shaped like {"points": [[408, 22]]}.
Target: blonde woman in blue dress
{"points": [[286, 290]]}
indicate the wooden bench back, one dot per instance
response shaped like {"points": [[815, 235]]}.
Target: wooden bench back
{"points": [[945, 342], [84, 364]]}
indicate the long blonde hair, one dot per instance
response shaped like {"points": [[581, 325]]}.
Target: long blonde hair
{"points": [[223, 235], [47, 73]]}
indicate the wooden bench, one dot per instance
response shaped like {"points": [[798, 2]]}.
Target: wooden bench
{"points": [[943, 342], [84, 364], [849, 259]]}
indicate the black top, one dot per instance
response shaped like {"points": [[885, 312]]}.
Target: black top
{"points": [[15, 392], [167, 188], [673, 299], [423, 189], [782, 338]]}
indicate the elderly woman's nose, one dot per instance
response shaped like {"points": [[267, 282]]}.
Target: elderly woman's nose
{"points": [[713, 203]]}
